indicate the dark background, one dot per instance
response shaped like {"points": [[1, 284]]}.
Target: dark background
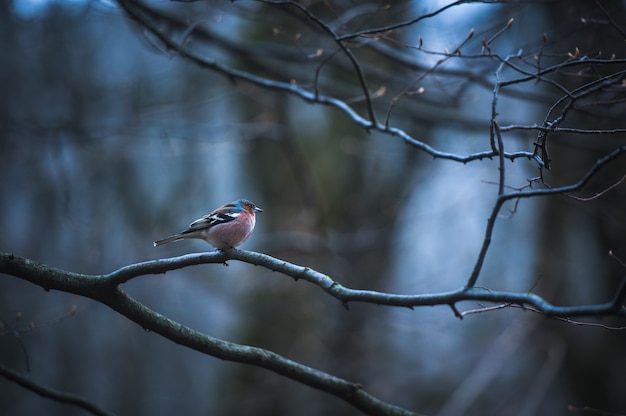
{"points": [[109, 141]]}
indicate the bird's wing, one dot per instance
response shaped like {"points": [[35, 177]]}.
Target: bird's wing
{"points": [[213, 219]]}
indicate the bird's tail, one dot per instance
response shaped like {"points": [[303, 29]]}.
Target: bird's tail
{"points": [[171, 238]]}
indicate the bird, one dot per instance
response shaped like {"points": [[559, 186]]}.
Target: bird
{"points": [[226, 227]]}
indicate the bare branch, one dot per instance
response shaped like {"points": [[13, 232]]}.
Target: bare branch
{"points": [[599, 194], [342, 45], [562, 129], [502, 198], [612, 21], [104, 289], [411, 86], [487, 43], [530, 308], [384, 29], [56, 395], [144, 16], [501, 168]]}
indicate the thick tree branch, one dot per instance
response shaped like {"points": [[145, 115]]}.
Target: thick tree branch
{"points": [[104, 288]]}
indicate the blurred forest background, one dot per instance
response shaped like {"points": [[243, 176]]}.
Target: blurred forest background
{"points": [[110, 140]]}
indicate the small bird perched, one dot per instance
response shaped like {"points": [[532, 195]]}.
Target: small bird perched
{"points": [[226, 227]]}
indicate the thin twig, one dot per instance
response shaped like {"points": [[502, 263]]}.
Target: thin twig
{"points": [[599, 194], [347, 51]]}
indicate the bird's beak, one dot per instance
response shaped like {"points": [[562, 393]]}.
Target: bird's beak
{"points": [[257, 209]]}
